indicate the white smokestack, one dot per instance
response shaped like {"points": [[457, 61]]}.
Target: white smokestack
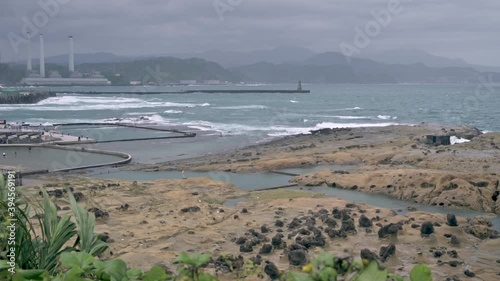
{"points": [[30, 68], [71, 55], [42, 58]]}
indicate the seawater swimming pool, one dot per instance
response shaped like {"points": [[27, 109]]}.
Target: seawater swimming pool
{"points": [[40, 158]]}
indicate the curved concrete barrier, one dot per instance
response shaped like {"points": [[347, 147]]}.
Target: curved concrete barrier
{"points": [[126, 157]]}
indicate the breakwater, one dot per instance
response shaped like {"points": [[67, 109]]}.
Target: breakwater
{"points": [[236, 91], [24, 98]]}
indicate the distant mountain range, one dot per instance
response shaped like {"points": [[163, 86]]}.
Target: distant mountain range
{"points": [[280, 55], [419, 56], [333, 68], [86, 58], [278, 65], [233, 58]]}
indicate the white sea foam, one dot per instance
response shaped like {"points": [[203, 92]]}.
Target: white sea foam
{"points": [[69, 100], [293, 101], [255, 106], [177, 104], [228, 129], [239, 129], [143, 119], [351, 117], [173, 111], [140, 113], [102, 103], [285, 131]]}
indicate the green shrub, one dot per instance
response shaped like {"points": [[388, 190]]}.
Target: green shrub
{"points": [[326, 267]]}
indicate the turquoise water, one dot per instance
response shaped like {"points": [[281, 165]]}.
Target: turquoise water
{"points": [[227, 121]]}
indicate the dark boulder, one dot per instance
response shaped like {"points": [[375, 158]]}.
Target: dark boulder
{"points": [[297, 257], [469, 273], [266, 249], [453, 254], [309, 242], [279, 223], [451, 220], [241, 240], [366, 254], [345, 214], [348, 226], [364, 221], [98, 213], [265, 229], [78, 196], [330, 222], [332, 233], [246, 248], [454, 240], [437, 254], [336, 213], [386, 252], [277, 241], [193, 209], [386, 230], [427, 228], [296, 222], [271, 270]]}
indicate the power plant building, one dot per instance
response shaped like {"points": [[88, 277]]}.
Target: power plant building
{"points": [[55, 79]]}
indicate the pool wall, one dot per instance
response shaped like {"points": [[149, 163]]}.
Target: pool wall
{"points": [[126, 157]]}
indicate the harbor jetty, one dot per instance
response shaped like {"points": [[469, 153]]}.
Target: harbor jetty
{"points": [[23, 97], [144, 92]]}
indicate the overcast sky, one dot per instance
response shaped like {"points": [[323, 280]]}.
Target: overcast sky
{"points": [[459, 29]]}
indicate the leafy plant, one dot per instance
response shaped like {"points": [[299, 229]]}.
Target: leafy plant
{"points": [[190, 267], [38, 248], [88, 241], [83, 266], [326, 267]]}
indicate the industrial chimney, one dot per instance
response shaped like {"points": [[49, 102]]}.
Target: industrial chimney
{"points": [[71, 55], [29, 68], [42, 58]]}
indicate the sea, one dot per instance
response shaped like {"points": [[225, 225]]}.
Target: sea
{"points": [[226, 121]]}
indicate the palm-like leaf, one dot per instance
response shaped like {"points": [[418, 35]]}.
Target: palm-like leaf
{"points": [[56, 232], [88, 241]]}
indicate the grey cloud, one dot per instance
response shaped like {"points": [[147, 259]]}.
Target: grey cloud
{"points": [[461, 28]]}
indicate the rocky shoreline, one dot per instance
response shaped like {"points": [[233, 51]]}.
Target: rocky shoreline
{"points": [[394, 161], [148, 223], [151, 222]]}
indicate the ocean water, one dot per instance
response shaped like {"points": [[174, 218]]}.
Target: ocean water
{"points": [[244, 119]]}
